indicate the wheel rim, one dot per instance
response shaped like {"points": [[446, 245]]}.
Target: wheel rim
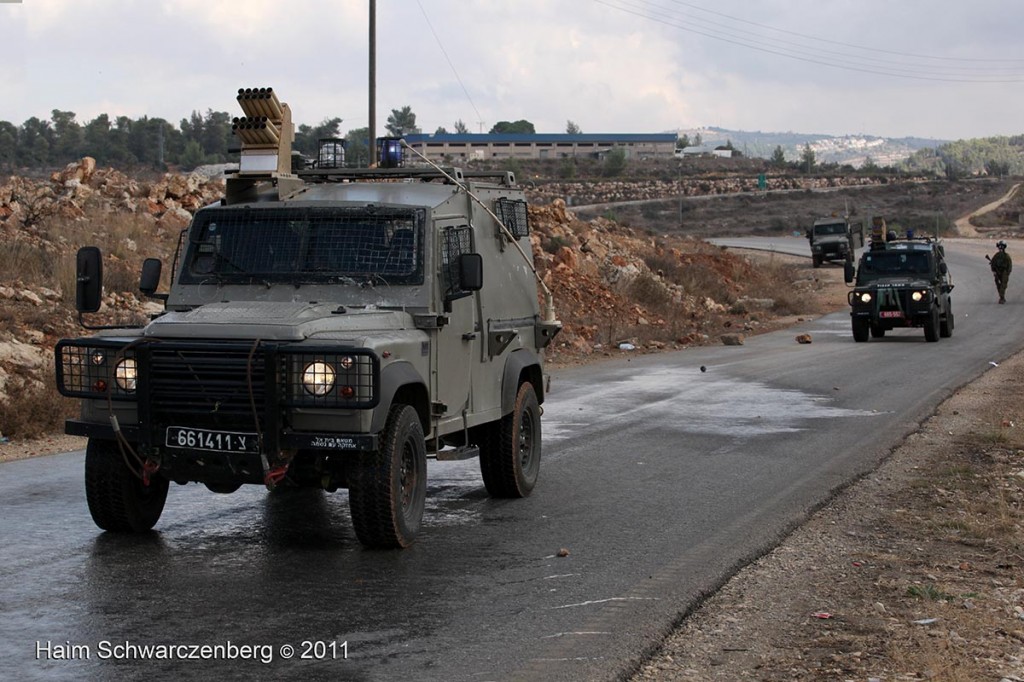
{"points": [[526, 431], [408, 475]]}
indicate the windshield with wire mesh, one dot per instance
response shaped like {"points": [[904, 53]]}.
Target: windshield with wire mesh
{"points": [[888, 263], [830, 228], [364, 245]]}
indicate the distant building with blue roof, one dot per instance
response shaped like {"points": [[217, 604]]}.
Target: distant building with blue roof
{"points": [[480, 147]]}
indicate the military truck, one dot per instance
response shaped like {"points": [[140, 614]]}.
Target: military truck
{"points": [[901, 282], [834, 239], [326, 328]]}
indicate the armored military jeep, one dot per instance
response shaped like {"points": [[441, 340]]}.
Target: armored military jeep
{"points": [[901, 283], [833, 239], [326, 328]]}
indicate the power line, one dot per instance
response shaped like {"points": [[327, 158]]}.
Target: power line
{"points": [[836, 42], [790, 50], [445, 53], [873, 60]]}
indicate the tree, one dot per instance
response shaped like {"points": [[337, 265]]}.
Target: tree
{"points": [[461, 128], [572, 129], [997, 168], [807, 158], [522, 126], [615, 162], [67, 136], [441, 130], [8, 145], [97, 138], [402, 122], [307, 138], [193, 155], [34, 142], [683, 141], [697, 140], [567, 168], [192, 128], [357, 147], [119, 141], [216, 135], [778, 157]]}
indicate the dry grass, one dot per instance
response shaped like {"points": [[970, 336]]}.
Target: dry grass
{"points": [[25, 260], [44, 256], [34, 408]]}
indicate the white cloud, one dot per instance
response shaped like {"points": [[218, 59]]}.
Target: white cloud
{"points": [[544, 60]]}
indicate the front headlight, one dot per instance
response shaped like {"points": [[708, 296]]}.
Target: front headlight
{"points": [[865, 297], [318, 378], [917, 296], [126, 375]]}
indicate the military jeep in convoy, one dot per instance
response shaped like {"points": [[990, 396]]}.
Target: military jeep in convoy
{"points": [[901, 282], [834, 239], [326, 328]]}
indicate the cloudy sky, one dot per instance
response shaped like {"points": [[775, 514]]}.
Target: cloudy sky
{"points": [[930, 68]]}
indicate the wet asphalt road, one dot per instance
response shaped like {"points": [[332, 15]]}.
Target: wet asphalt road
{"points": [[659, 479]]}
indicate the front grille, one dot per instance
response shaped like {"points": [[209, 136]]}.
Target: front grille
{"points": [[195, 384], [222, 384], [894, 299]]}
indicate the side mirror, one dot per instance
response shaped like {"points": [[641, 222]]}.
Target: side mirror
{"points": [[88, 279], [943, 268], [150, 279], [848, 271], [471, 272]]}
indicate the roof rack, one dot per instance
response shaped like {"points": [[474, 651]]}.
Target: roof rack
{"points": [[506, 178]]}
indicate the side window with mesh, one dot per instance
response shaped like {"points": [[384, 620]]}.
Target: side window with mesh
{"points": [[455, 241], [513, 213]]}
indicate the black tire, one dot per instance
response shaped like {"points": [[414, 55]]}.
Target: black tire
{"points": [[816, 260], [946, 325], [510, 448], [117, 498], [388, 490], [877, 331], [860, 329], [931, 328]]}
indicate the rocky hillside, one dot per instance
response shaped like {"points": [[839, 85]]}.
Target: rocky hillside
{"points": [[614, 287]]}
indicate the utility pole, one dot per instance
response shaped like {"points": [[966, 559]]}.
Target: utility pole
{"points": [[373, 84]]}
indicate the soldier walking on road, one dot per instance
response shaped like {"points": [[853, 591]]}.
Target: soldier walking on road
{"points": [[1001, 265]]}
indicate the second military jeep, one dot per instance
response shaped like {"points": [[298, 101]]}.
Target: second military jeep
{"points": [[901, 283], [329, 328], [830, 240]]}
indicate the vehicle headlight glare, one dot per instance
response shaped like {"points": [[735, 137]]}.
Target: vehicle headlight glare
{"points": [[865, 297], [917, 295], [126, 375], [318, 378]]}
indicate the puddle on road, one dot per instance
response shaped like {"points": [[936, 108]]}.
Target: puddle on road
{"points": [[685, 400], [690, 401]]}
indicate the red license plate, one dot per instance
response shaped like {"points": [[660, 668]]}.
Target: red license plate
{"points": [[890, 313]]}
